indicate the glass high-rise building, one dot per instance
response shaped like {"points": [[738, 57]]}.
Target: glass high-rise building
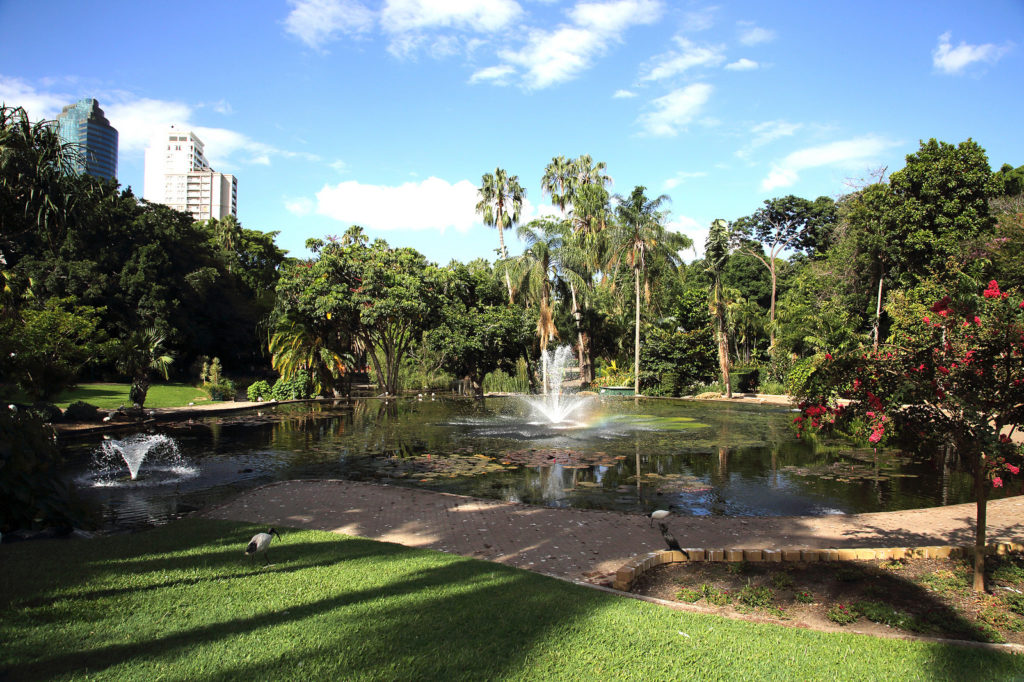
{"points": [[83, 124]]}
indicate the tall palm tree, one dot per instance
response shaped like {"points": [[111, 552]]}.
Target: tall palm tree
{"points": [[501, 201], [557, 181], [641, 238], [716, 254], [538, 271]]}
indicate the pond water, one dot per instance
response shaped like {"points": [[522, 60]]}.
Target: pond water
{"points": [[694, 457]]}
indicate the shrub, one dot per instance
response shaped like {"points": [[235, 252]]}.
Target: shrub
{"points": [[1014, 602], [782, 581], [798, 375], [842, 614], [47, 412], [32, 492], [218, 386], [745, 380], [756, 596], [257, 391], [295, 388], [879, 612], [690, 594], [804, 597], [80, 411], [671, 362]]}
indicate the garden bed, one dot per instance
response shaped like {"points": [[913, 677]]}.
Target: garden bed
{"points": [[925, 597]]}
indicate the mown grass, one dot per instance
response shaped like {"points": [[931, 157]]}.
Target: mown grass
{"points": [[181, 602], [110, 396]]}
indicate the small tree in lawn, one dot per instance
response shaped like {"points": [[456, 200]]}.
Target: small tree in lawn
{"points": [[959, 380], [140, 354]]}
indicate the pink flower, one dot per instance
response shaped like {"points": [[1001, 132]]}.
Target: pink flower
{"points": [[1013, 470], [927, 320], [977, 320], [870, 414], [997, 482]]}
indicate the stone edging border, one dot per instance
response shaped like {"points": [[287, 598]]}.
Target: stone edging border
{"points": [[628, 574]]}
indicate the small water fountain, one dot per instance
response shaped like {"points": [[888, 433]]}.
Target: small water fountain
{"points": [[164, 463], [556, 406]]}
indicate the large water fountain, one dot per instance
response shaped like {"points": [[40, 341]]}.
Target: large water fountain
{"points": [[164, 463], [555, 405]]}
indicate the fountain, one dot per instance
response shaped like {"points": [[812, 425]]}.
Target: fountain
{"points": [[554, 405], [160, 450]]}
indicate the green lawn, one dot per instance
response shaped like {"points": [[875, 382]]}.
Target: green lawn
{"points": [[108, 396], [182, 602]]}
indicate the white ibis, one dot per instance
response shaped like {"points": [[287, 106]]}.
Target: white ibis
{"points": [[261, 543], [658, 515]]}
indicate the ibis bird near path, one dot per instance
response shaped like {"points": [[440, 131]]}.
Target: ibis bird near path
{"points": [[261, 543], [658, 515]]}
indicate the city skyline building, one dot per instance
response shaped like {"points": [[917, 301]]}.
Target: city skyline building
{"points": [[84, 126], [177, 174]]}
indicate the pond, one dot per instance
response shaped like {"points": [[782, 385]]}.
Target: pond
{"points": [[634, 455]]}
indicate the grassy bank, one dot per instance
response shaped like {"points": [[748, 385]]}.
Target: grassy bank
{"points": [[110, 396], [181, 602]]}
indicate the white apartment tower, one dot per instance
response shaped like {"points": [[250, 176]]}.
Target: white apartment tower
{"points": [[178, 175]]}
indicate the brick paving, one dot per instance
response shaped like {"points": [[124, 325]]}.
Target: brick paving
{"points": [[586, 544]]}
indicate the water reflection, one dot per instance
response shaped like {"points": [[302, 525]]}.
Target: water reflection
{"points": [[697, 458]]}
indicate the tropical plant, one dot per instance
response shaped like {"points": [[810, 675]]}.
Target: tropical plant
{"points": [[140, 354], [538, 271], [501, 201], [299, 347], [716, 255], [641, 240]]}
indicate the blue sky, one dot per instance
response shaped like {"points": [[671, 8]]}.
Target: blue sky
{"points": [[386, 114]]}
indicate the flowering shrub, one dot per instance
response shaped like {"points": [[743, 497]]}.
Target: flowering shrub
{"points": [[842, 614], [958, 380]]}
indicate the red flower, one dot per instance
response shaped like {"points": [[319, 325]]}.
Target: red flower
{"points": [[997, 482], [828, 356], [927, 320], [1013, 470], [977, 320], [993, 290]]}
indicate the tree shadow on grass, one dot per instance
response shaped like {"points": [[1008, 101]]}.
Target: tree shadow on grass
{"points": [[463, 605]]}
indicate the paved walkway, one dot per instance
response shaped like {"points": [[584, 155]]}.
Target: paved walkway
{"points": [[585, 544]]}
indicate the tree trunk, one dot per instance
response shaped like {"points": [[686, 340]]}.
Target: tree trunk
{"points": [[723, 360], [981, 500], [878, 307], [771, 333], [636, 351]]}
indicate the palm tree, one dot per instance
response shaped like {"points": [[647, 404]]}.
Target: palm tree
{"points": [[641, 240], [538, 271], [297, 346], [142, 353], [557, 181], [716, 254], [501, 200]]}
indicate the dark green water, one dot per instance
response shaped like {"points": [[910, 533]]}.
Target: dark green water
{"points": [[694, 457]]}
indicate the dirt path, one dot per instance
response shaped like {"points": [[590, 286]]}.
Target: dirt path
{"points": [[586, 544]]}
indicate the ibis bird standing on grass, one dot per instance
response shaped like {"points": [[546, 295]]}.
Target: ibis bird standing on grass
{"points": [[261, 543], [658, 515]]}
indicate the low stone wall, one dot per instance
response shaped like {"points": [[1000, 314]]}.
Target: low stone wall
{"points": [[628, 574]]}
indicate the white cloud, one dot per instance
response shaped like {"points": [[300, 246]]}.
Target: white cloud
{"points": [[317, 22], [687, 57], [743, 64], [692, 229], [856, 152], [675, 110], [223, 107], [623, 94], [699, 20], [750, 34], [766, 133], [40, 106], [301, 207], [339, 166], [433, 204], [953, 60], [681, 177], [139, 120], [496, 74], [551, 57], [482, 16]]}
